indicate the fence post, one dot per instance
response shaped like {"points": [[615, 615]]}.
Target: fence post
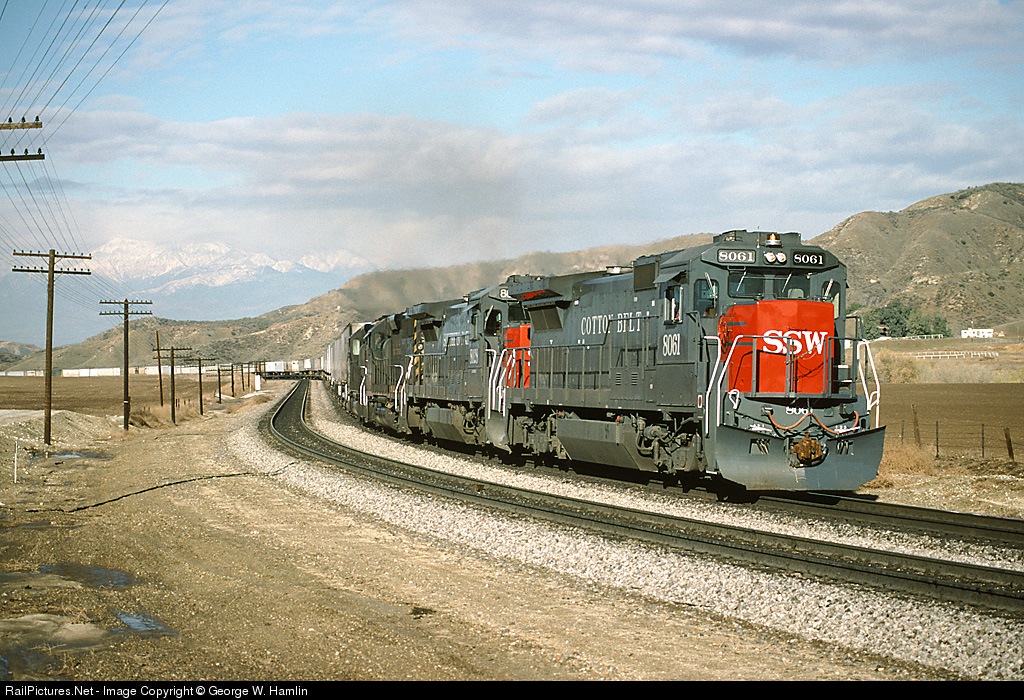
{"points": [[936, 439], [983, 441], [1009, 444], [917, 427]]}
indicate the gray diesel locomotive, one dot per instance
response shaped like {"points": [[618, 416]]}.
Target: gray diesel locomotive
{"points": [[729, 360]]}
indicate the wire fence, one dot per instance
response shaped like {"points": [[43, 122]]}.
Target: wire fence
{"points": [[954, 438]]}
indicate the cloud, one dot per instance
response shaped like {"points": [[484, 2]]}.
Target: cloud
{"points": [[842, 31], [403, 190], [387, 188], [582, 105]]}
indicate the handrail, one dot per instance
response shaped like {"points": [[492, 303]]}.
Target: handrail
{"points": [[399, 387], [711, 383], [873, 398], [405, 383], [491, 377], [502, 384]]}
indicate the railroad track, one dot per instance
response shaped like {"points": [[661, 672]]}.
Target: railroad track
{"points": [[956, 582], [1004, 532]]}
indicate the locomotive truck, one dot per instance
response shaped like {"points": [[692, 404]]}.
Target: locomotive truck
{"points": [[734, 360]]}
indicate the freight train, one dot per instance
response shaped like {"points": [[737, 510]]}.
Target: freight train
{"points": [[734, 361]]}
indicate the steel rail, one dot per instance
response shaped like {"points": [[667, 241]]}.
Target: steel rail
{"points": [[1006, 532], [982, 586]]}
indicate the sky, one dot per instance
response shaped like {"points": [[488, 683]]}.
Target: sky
{"points": [[423, 132]]}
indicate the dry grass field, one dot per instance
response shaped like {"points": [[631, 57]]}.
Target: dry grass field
{"points": [[103, 396]]}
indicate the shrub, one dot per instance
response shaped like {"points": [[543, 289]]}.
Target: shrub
{"points": [[897, 368]]}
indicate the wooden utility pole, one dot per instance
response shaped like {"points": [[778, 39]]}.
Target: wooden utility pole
{"points": [[172, 350], [52, 258], [200, 360], [124, 370], [159, 368], [173, 407]]}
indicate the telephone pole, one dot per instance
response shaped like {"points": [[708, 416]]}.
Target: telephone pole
{"points": [[52, 258], [126, 312], [200, 360], [160, 368], [172, 350], [219, 392]]}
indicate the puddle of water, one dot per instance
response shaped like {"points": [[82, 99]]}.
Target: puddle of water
{"points": [[31, 645], [141, 623], [82, 455], [33, 581], [8, 578], [20, 664], [94, 576], [45, 525], [35, 456]]}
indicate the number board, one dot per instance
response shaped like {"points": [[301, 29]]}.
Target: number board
{"points": [[808, 258], [736, 257]]}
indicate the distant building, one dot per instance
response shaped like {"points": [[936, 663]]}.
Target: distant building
{"points": [[977, 333]]}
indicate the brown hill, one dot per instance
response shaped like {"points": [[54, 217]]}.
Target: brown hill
{"points": [[13, 352], [957, 254]]}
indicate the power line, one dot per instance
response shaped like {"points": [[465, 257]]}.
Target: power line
{"points": [[66, 49]]}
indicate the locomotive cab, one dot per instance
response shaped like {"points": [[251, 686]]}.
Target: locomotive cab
{"points": [[783, 400]]}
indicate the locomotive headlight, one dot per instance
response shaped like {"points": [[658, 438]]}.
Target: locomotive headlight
{"points": [[769, 256], [780, 257]]}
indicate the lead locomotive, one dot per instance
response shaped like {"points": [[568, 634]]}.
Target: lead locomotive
{"points": [[729, 359]]}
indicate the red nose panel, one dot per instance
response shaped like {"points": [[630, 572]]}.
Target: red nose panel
{"points": [[791, 340], [517, 361]]}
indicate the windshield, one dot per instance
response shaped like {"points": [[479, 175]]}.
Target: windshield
{"points": [[744, 284]]}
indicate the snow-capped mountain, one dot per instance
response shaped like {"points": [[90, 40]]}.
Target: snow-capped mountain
{"points": [[195, 281], [153, 268]]}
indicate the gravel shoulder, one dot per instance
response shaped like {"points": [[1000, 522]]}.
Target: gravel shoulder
{"points": [[195, 552]]}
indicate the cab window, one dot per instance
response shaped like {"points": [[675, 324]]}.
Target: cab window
{"points": [[830, 293], [673, 304], [705, 296]]}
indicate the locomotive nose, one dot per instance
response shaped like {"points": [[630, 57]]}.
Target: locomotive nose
{"points": [[809, 451]]}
